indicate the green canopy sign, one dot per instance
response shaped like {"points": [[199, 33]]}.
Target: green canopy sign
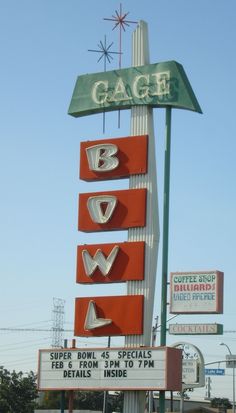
{"points": [[157, 85]]}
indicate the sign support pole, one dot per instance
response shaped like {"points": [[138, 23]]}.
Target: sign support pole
{"points": [[62, 398], [165, 238], [62, 401], [142, 123]]}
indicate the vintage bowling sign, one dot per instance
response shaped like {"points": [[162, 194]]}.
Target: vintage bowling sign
{"points": [[109, 316], [112, 210], [134, 209], [114, 262], [106, 263], [114, 158]]}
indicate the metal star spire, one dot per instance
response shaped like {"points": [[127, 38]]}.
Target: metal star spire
{"points": [[120, 21], [106, 55], [105, 52]]}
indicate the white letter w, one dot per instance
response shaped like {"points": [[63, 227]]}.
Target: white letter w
{"points": [[99, 261]]}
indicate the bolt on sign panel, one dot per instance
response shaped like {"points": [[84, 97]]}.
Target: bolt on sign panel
{"points": [[107, 263], [108, 316], [112, 210], [113, 158]]}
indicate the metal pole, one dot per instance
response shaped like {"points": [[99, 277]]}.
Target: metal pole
{"points": [[171, 402], [105, 394], [233, 386], [165, 238], [223, 344], [181, 402], [71, 392], [150, 393], [62, 399], [71, 401]]}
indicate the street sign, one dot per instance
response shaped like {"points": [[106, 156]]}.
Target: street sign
{"points": [[230, 360], [214, 372], [146, 368], [196, 292]]}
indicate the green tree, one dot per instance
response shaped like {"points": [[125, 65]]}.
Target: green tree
{"points": [[51, 400], [18, 392], [84, 400], [221, 402]]}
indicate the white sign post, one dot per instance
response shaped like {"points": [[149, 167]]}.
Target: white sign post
{"points": [[142, 123]]}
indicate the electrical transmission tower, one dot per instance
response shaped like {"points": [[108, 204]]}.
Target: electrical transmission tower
{"points": [[58, 315]]}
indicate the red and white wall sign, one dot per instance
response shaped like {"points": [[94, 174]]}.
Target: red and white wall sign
{"points": [[105, 263], [112, 210], [109, 316], [113, 158]]}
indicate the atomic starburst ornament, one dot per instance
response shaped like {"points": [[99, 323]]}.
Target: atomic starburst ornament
{"points": [[120, 21], [105, 52]]}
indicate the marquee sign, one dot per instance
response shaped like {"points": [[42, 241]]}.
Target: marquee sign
{"points": [[156, 85], [196, 292], [110, 369]]}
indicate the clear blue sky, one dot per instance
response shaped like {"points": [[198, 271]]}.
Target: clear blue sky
{"points": [[44, 46]]}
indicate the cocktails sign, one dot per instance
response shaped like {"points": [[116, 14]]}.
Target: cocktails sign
{"points": [[195, 329]]}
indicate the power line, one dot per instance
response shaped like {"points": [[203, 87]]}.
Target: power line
{"points": [[34, 329]]}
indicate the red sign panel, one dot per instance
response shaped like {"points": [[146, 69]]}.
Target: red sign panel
{"points": [[109, 316], [112, 210], [106, 263], [113, 158]]}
